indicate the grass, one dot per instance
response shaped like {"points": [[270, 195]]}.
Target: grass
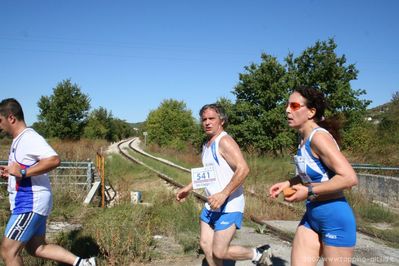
{"points": [[179, 220], [125, 233], [67, 202], [370, 216], [163, 217], [80, 150], [122, 236]]}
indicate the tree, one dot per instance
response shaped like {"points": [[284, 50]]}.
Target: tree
{"points": [[64, 113], [257, 120], [319, 66], [258, 115], [171, 124], [120, 129], [102, 125], [99, 124]]}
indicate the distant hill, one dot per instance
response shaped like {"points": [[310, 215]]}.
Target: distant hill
{"points": [[137, 125], [377, 112], [386, 107], [380, 108]]}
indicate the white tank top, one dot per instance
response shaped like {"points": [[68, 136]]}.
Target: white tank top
{"points": [[309, 168], [211, 157]]}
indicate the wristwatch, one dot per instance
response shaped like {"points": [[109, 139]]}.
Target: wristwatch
{"points": [[23, 173], [311, 195]]}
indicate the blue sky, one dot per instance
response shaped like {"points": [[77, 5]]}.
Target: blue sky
{"points": [[128, 56]]}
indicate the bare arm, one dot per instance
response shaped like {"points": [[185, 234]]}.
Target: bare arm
{"points": [[43, 166], [184, 192], [345, 177]]}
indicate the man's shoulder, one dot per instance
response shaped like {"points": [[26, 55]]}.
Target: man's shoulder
{"points": [[31, 133], [32, 137], [227, 141]]}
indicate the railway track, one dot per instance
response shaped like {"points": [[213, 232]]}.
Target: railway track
{"points": [[166, 178], [282, 235]]}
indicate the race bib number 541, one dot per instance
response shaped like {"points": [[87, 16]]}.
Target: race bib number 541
{"points": [[203, 176]]}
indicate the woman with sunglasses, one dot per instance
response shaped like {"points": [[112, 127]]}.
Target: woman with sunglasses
{"points": [[328, 227]]}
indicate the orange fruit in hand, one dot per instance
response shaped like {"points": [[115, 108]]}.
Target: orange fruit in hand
{"points": [[288, 192]]}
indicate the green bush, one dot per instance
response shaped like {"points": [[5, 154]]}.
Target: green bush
{"points": [[359, 138]]}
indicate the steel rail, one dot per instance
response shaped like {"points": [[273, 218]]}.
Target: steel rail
{"points": [[168, 179]]}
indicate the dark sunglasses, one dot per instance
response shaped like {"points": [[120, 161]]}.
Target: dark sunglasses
{"points": [[295, 106]]}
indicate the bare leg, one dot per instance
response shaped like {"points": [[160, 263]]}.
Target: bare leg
{"points": [[223, 250], [10, 250], [305, 247], [206, 243], [38, 247], [337, 255]]}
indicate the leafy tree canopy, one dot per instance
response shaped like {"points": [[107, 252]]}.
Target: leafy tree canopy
{"points": [[319, 66], [171, 124], [99, 124], [64, 113], [258, 119]]}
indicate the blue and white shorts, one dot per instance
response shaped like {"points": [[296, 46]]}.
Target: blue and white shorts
{"points": [[22, 227], [333, 220], [221, 220]]}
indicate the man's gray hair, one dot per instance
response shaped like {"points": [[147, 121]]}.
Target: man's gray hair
{"points": [[218, 109]]}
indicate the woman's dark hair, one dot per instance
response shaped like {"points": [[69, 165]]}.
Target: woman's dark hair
{"points": [[315, 99], [218, 109]]}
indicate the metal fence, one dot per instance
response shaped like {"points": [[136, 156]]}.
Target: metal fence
{"points": [[376, 170], [71, 173], [365, 166], [380, 183]]}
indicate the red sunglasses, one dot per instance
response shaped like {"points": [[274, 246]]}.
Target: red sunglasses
{"points": [[295, 106]]}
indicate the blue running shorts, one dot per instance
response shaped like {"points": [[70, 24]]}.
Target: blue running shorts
{"points": [[333, 220], [22, 227], [221, 220]]}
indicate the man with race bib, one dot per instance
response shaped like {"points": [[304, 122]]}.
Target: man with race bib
{"points": [[222, 175]]}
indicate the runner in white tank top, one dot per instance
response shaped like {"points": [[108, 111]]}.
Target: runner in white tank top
{"points": [[224, 172]]}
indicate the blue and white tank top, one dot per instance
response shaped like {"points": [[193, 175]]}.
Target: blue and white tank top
{"points": [[211, 157], [31, 194], [308, 167]]}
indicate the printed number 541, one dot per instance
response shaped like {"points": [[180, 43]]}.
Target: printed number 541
{"points": [[203, 175]]}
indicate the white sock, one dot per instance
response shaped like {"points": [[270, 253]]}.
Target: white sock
{"points": [[257, 255], [77, 261]]}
